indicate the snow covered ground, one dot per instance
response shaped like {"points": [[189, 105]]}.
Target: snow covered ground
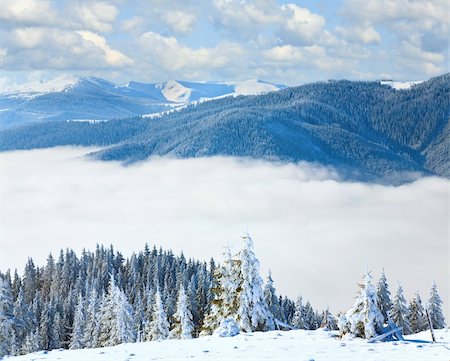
{"points": [[276, 345]]}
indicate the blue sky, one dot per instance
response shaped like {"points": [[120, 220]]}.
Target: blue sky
{"points": [[290, 42]]}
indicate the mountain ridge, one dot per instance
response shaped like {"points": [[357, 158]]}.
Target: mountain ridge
{"points": [[91, 98], [368, 131]]}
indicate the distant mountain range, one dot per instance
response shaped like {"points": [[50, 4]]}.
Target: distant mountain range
{"points": [[78, 98], [371, 131]]}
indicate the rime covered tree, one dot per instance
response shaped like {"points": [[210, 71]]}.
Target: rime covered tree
{"points": [[272, 301], [399, 312], [297, 320], [253, 313], [79, 324], [384, 297], [328, 321], [226, 285], [183, 325], [116, 320], [158, 328], [416, 316], [364, 319], [7, 319], [435, 308]]}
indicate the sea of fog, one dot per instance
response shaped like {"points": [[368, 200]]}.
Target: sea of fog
{"points": [[316, 234]]}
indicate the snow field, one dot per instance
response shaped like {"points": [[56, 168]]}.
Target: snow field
{"points": [[295, 345]]}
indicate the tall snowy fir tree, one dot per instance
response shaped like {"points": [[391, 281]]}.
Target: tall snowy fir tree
{"points": [[297, 320], [253, 313], [183, 324], [79, 325], [7, 320], [272, 301], [399, 312], [384, 297], [158, 328], [116, 320], [226, 285], [364, 319], [435, 308], [416, 316]]}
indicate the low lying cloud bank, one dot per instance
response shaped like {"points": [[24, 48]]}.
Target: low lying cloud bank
{"points": [[315, 233]]}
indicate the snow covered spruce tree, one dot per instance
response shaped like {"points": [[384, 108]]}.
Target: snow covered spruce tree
{"points": [[226, 285], [328, 321], [183, 324], [238, 302], [399, 312], [435, 308], [384, 297], [6, 317], [364, 319], [416, 316], [79, 324], [116, 320], [158, 328], [272, 301], [253, 313], [297, 320]]}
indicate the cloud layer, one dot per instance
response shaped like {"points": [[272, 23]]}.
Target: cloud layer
{"points": [[287, 42], [316, 234]]}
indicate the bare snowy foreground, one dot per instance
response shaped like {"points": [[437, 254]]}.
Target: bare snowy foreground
{"points": [[274, 345]]}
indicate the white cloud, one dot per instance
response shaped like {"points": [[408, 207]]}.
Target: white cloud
{"points": [[304, 223], [168, 54], [179, 21], [95, 15], [27, 12], [364, 34], [113, 57], [301, 26]]}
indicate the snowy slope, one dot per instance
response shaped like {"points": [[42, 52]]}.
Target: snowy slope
{"points": [[399, 85], [78, 98], [276, 345]]}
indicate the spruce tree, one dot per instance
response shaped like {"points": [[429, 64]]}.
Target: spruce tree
{"points": [[384, 297], [253, 313], [116, 320], [92, 325], [435, 308], [158, 328], [7, 320], [183, 324], [79, 324], [297, 320], [364, 319], [399, 312], [225, 286], [416, 317], [272, 301], [328, 321]]}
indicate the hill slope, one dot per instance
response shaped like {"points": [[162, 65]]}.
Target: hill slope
{"points": [[366, 130]]}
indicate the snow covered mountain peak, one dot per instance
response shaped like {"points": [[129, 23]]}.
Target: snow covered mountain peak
{"points": [[175, 92], [36, 88], [253, 87]]}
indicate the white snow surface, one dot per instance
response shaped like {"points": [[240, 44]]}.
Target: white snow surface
{"points": [[274, 345], [253, 87], [399, 85], [36, 88]]}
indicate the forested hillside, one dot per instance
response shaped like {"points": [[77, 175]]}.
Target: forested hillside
{"points": [[366, 130]]}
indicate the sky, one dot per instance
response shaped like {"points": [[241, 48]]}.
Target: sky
{"points": [[288, 42], [317, 235]]}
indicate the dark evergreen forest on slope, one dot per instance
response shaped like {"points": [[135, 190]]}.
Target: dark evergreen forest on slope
{"points": [[366, 130]]}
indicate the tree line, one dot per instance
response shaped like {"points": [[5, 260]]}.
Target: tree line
{"points": [[103, 299]]}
